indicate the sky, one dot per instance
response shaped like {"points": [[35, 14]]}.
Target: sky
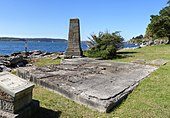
{"points": [[50, 18]]}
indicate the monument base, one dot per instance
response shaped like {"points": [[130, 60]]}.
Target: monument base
{"points": [[28, 112], [70, 52]]}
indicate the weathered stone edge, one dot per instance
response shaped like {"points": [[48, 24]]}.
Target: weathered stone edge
{"points": [[87, 101], [28, 112]]}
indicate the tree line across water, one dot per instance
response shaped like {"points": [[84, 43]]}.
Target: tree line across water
{"points": [[31, 39]]}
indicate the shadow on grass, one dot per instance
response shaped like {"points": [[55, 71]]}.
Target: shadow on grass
{"points": [[122, 55], [117, 105], [47, 113], [126, 52]]}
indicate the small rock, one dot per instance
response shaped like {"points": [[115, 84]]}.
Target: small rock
{"points": [[20, 64], [15, 54], [36, 52], [61, 56], [57, 57], [150, 43], [1, 69], [18, 61], [67, 57], [6, 56], [156, 42], [4, 68], [28, 65], [76, 56]]}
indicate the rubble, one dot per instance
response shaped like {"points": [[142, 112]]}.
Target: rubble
{"points": [[20, 59]]}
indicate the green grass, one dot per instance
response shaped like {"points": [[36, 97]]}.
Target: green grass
{"points": [[151, 99], [146, 53], [45, 61]]}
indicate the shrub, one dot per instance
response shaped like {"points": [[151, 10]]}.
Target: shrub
{"points": [[104, 45]]}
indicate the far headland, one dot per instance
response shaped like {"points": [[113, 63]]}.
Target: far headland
{"points": [[32, 39]]}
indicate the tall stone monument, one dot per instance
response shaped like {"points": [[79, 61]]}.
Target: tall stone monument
{"points": [[74, 45]]}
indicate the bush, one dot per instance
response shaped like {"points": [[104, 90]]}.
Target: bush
{"points": [[104, 45], [109, 52]]}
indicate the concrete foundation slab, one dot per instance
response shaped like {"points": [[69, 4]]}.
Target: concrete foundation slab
{"points": [[97, 84]]}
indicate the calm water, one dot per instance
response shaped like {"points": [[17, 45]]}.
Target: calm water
{"points": [[130, 45], [8, 47]]}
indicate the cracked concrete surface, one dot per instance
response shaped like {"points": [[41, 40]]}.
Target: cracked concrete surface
{"points": [[98, 84]]}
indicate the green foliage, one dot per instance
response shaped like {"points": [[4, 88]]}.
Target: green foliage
{"points": [[104, 45], [136, 40], [108, 52], [168, 2], [159, 25]]}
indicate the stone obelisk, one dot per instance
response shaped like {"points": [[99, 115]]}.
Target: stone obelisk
{"points": [[74, 44]]}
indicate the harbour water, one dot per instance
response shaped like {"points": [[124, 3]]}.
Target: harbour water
{"points": [[8, 47]]}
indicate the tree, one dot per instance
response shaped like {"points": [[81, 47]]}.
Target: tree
{"points": [[104, 44], [168, 2], [159, 26], [136, 40]]}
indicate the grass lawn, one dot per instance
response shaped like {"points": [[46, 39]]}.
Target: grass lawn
{"points": [[45, 61], [150, 99]]}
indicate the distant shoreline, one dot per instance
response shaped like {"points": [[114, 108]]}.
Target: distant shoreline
{"points": [[32, 39]]}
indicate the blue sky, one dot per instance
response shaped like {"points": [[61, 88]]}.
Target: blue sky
{"points": [[50, 18]]}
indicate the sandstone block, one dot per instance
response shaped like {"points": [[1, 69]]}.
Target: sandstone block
{"points": [[74, 46], [15, 93]]}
